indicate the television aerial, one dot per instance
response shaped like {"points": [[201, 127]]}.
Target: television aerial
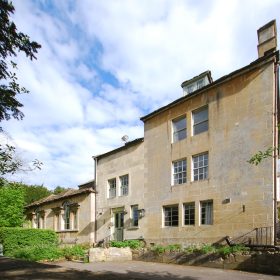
{"points": [[125, 138]]}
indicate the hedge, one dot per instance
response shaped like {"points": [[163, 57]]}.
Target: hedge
{"points": [[14, 239]]}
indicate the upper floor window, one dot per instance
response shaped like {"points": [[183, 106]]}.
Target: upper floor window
{"points": [[200, 120], [112, 187], [171, 216], [134, 215], [206, 212], [180, 172], [124, 185], [179, 126], [189, 213], [200, 167]]}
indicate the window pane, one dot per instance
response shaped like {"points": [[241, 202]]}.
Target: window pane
{"points": [[179, 129], [179, 124], [200, 84], [201, 127], [112, 187], [179, 172], [200, 116], [134, 212], [200, 167], [124, 185], [171, 216], [206, 212], [200, 120], [189, 213]]}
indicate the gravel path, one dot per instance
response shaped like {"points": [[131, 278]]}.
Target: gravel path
{"points": [[11, 269]]}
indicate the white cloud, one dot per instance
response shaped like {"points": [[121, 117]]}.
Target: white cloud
{"points": [[104, 64]]}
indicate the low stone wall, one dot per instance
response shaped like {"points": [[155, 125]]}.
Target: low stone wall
{"points": [[268, 262], [109, 254]]}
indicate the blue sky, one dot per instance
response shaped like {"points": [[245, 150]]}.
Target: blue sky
{"points": [[104, 64]]}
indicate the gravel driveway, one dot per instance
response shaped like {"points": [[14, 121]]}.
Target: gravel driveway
{"points": [[11, 269]]}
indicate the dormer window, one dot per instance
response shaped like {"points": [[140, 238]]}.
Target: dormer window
{"points": [[200, 84], [196, 83], [190, 88]]}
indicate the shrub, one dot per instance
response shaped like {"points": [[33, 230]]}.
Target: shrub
{"points": [[132, 244], [14, 239], [173, 248], [75, 252], [38, 252], [11, 205], [225, 250], [190, 249], [207, 248], [158, 249]]}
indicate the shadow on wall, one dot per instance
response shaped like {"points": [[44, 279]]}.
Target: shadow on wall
{"points": [[103, 218], [87, 230], [11, 269]]}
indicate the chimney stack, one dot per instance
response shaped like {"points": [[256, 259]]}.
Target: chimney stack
{"points": [[267, 38]]}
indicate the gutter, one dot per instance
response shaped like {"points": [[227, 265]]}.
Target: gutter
{"points": [[275, 152], [252, 66], [95, 200]]}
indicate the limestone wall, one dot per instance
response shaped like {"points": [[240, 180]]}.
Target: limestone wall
{"points": [[240, 124], [129, 161]]}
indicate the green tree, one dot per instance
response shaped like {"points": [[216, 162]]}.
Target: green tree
{"points": [[34, 193], [11, 43], [10, 163], [59, 190], [11, 205]]}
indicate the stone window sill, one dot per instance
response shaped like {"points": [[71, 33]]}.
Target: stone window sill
{"points": [[132, 228], [67, 230]]}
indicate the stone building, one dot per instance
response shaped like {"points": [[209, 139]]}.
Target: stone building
{"points": [[194, 182], [71, 214], [188, 180], [120, 188]]}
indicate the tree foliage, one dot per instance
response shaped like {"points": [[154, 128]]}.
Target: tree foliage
{"points": [[257, 158], [59, 190], [34, 193], [11, 42], [11, 205], [10, 163]]}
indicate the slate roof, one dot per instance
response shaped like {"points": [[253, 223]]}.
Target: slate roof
{"points": [[253, 65], [127, 145], [54, 197]]}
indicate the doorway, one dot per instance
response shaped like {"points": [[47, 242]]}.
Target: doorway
{"points": [[119, 222]]}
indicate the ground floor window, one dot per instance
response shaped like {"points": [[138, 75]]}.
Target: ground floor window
{"points": [[39, 219], [134, 215], [206, 212], [66, 217], [189, 213], [171, 216]]}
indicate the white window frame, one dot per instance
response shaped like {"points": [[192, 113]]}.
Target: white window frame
{"points": [[210, 219], [200, 83], [184, 213], [134, 208], [179, 131], [200, 167], [183, 178], [67, 223], [110, 188], [124, 185], [164, 216], [201, 122]]}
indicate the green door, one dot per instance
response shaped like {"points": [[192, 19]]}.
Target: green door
{"points": [[119, 219]]}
